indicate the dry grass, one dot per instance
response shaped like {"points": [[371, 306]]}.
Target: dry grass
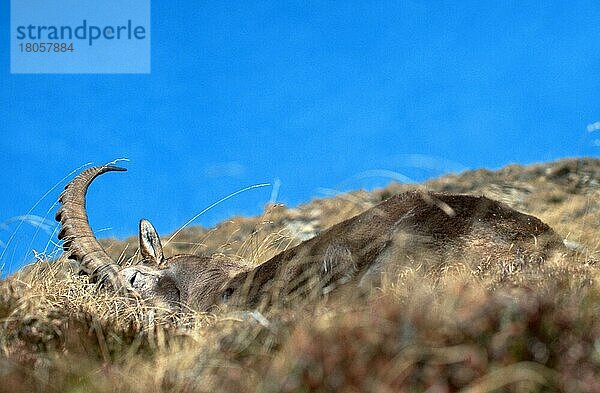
{"points": [[532, 330]]}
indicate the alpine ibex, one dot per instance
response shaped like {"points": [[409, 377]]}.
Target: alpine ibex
{"points": [[413, 227]]}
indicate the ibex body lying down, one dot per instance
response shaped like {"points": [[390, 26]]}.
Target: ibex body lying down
{"points": [[414, 227]]}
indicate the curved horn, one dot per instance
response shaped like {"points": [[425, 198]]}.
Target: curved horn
{"points": [[76, 232]]}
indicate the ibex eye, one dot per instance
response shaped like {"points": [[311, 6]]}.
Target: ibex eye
{"points": [[227, 294], [132, 278]]}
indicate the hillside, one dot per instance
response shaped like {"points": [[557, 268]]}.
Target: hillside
{"points": [[536, 330], [557, 192]]}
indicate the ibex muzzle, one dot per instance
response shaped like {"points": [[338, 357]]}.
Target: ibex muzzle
{"points": [[427, 229]]}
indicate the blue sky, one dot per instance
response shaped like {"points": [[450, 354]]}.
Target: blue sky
{"points": [[320, 95]]}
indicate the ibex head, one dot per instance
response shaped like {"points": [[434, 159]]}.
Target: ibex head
{"points": [[190, 280]]}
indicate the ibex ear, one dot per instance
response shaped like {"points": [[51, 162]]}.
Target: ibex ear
{"points": [[150, 245]]}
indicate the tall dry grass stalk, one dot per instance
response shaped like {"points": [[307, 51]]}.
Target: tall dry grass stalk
{"points": [[534, 328]]}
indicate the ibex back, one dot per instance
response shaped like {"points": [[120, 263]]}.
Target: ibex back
{"points": [[429, 229]]}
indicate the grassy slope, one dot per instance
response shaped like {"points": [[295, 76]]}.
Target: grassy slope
{"points": [[534, 329]]}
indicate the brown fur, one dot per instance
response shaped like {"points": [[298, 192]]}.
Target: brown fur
{"points": [[428, 229], [407, 228]]}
